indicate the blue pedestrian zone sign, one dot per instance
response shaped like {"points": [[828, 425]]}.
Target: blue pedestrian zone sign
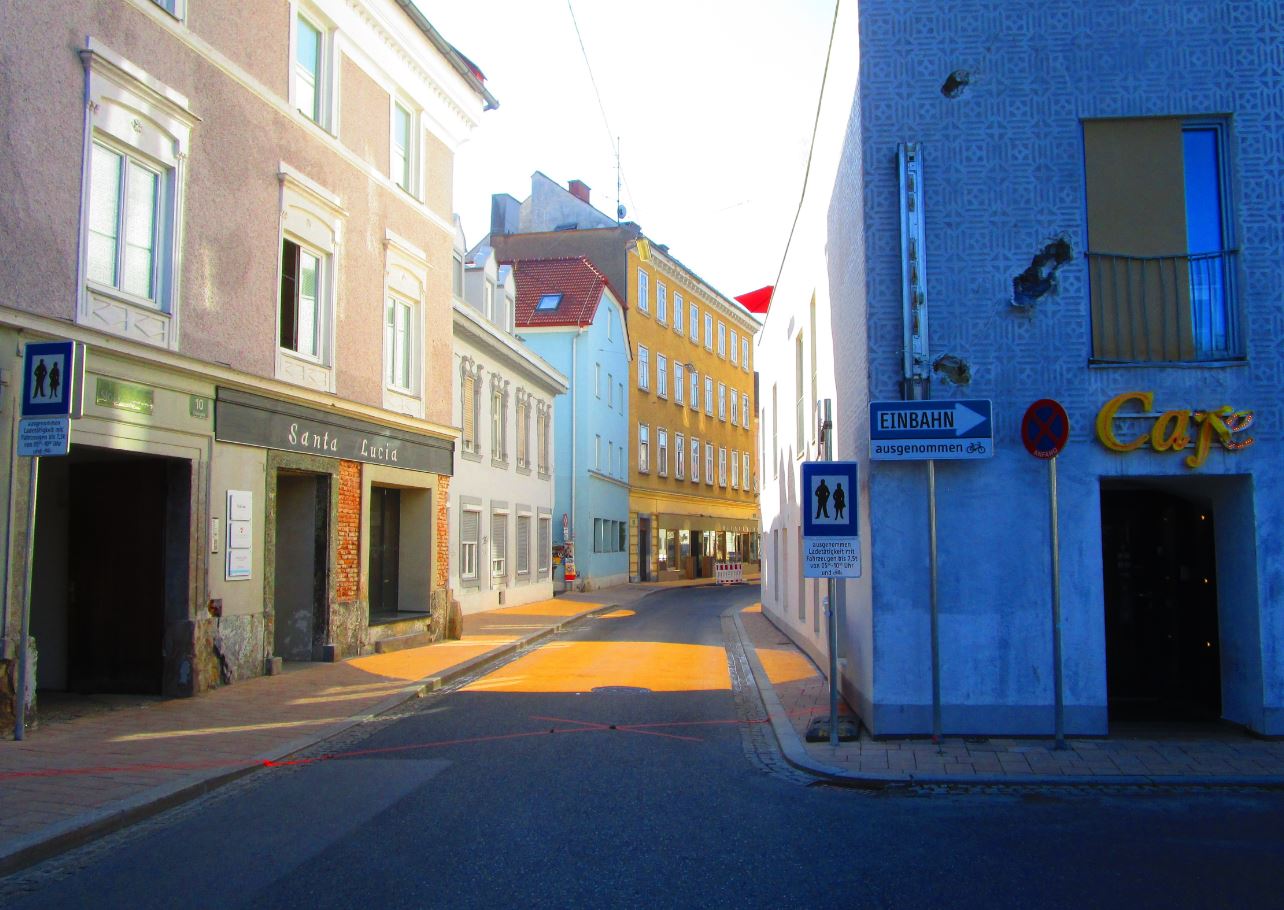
{"points": [[48, 379], [831, 533], [930, 430]]}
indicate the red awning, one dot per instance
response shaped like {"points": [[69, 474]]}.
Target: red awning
{"points": [[757, 301]]}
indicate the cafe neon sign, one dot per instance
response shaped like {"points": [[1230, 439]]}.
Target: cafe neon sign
{"points": [[1171, 431]]}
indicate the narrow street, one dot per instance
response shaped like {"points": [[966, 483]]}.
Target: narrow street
{"points": [[625, 764]]}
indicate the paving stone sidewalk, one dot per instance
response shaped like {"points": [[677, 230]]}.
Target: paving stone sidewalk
{"points": [[795, 691]]}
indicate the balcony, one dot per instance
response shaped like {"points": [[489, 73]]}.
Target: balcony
{"points": [[1164, 309]]}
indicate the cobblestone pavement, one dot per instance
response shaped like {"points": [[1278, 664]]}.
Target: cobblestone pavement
{"points": [[1156, 755]]}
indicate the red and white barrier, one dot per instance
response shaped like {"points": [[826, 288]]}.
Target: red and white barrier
{"points": [[728, 573]]}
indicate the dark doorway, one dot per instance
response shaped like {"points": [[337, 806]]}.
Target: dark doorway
{"points": [[300, 577], [644, 548], [385, 550], [1159, 566], [697, 554]]}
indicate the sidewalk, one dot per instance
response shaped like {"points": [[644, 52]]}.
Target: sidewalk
{"points": [[794, 691], [71, 781]]}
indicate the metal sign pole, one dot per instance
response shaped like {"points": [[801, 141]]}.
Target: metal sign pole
{"points": [[1056, 608], [24, 628], [936, 641], [831, 615]]}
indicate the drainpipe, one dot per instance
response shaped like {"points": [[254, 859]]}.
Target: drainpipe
{"points": [[574, 404]]}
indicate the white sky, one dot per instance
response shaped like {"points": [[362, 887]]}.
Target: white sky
{"points": [[713, 102]]}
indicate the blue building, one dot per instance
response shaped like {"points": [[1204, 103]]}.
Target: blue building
{"points": [[1079, 201], [568, 314]]}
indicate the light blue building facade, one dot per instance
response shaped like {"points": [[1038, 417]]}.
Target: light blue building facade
{"points": [[1081, 201], [584, 336]]}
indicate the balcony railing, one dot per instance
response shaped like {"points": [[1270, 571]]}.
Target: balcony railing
{"points": [[1180, 308]]}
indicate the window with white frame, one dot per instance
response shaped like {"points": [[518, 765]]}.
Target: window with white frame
{"points": [[313, 73], [679, 382], [708, 395], [661, 376], [695, 390], [469, 533], [644, 367], [457, 274], [523, 545], [722, 339], [662, 452], [661, 303], [744, 354], [545, 431], [679, 456], [610, 324], [735, 409], [744, 408], [523, 415], [708, 332], [597, 380], [644, 302], [735, 469], [695, 460], [398, 341], [405, 153], [694, 322], [310, 228], [610, 390], [498, 544], [677, 312], [619, 396], [644, 448], [498, 419], [139, 141], [406, 277], [722, 401], [722, 466], [544, 558], [744, 467], [597, 451], [708, 464], [735, 348]]}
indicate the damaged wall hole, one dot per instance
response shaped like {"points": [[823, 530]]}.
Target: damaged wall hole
{"points": [[955, 83], [1039, 279], [953, 369]]}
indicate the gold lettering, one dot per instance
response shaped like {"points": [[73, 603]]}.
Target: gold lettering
{"points": [[1161, 439], [1106, 421]]}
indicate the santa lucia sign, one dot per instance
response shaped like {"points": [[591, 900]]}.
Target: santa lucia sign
{"points": [[831, 535]]}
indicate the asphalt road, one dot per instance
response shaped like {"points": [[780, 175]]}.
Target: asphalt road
{"points": [[528, 788]]}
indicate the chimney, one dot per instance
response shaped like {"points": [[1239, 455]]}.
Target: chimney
{"points": [[580, 190], [504, 214]]}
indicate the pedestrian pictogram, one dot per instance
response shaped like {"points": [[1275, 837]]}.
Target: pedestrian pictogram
{"points": [[831, 537]]}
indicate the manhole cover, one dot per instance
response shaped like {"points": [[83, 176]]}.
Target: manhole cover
{"points": [[618, 690]]}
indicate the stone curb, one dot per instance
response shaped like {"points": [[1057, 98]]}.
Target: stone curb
{"points": [[796, 754], [88, 826]]}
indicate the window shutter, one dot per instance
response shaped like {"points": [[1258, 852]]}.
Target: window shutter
{"points": [[470, 427], [545, 544], [523, 544], [469, 526]]}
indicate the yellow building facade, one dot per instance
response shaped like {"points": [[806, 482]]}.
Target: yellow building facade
{"points": [[694, 473]]}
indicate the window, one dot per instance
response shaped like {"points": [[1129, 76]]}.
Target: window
{"points": [[644, 448], [679, 382], [597, 535], [498, 419], [620, 531], [610, 324], [403, 148], [695, 390], [708, 395], [644, 368], [619, 395], [302, 279], [735, 348], [744, 407], [722, 466], [677, 312], [549, 302], [695, 460], [125, 204], [661, 376], [523, 429], [744, 354], [661, 303], [543, 560], [543, 430], [679, 456], [469, 403], [457, 275], [694, 321], [597, 380], [469, 526], [610, 390], [398, 339], [708, 332], [1161, 260], [597, 451], [173, 7], [488, 299], [744, 468], [722, 339], [498, 544], [708, 463], [735, 408], [722, 401], [735, 469], [644, 303], [662, 453], [523, 545], [312, 69], [800, 407]]}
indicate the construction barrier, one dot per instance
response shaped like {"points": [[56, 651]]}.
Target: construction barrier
{"points": [[729, 573]]}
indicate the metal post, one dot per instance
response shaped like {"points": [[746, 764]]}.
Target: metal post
{"points": [[936, 642], [1056, 608], [831, 615], [24, 628]]}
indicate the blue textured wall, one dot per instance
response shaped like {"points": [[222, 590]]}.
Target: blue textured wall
{"points": [[1004, 175]]}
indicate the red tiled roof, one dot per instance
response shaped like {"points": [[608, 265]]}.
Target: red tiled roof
{"points": [[576, 279]]}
